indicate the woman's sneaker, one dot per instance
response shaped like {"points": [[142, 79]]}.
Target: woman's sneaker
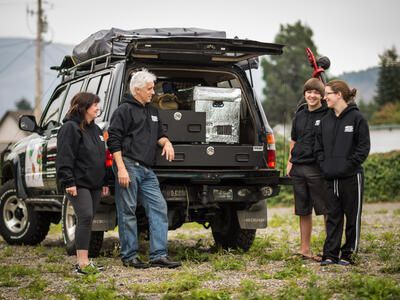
{"points": [[91, 268], [96, 266], [327, 262]]}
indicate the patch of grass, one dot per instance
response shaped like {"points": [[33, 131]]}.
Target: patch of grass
{"points": [[381, 211], [198, 294], [192, 226], [55, 255], [317, 241], [396, 212], [294, 268], [311, 291], [281, 220], [101, 291], [40, 250], [34, 290], [260, 245], [192, 254], [55, 228], [274, 249], [249, 291], [228, 262], [275, 254], [8, 274], [357, 286], [7, 252], [181, 282], [55, 268], [392, 266], [371, 242], [387, 249]]}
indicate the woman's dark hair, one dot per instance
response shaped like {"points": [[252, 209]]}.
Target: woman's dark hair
{"points": [[342, 87], [80, 103]]}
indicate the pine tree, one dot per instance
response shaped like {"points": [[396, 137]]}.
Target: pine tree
{"points": [[285, 75], [23, 104], [388, 86]]}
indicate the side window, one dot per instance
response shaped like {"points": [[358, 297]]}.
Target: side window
{"points": [[74, 88], [52, 113], [99, 85]]}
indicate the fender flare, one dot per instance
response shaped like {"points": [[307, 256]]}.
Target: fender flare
{"points": [[17, 174]]}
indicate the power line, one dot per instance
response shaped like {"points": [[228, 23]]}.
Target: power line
{"points": [[15, 58]]}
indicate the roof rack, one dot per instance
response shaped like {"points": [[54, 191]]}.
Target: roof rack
{"points": [[69, 67], [69, 64]]}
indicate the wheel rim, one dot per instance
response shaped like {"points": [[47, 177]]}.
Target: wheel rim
{"points": [[15, 214], [70, 221]]}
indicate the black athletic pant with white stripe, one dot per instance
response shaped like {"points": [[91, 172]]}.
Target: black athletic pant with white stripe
{"points": [[344, 200]]}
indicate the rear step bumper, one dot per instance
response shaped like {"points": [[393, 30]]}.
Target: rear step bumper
{"points": [[221, 176], [285, 180]]}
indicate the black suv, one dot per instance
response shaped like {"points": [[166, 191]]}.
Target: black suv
{"points": [[224, 167]]}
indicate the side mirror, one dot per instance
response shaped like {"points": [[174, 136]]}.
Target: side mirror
{"points": [[28, 123]]}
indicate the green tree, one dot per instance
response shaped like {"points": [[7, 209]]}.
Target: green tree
{"points": [[23, 104], [285, 74], [388, 86]]}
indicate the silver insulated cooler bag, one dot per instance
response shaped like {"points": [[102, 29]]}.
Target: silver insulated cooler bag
{"points": [[222, 108]]}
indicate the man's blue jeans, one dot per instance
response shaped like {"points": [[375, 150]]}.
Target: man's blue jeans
{"points": [[145, 183]]}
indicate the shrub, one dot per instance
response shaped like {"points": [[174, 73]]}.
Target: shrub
{"points": [[381, 177]]}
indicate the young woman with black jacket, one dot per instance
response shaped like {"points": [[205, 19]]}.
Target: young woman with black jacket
{"points": [[81, 169], [342, 145]]}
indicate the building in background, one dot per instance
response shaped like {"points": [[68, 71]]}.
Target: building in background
{"points": [[9, 130]]}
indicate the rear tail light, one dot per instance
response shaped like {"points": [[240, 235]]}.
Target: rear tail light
{"points": [[271, 155], [109, 158]]}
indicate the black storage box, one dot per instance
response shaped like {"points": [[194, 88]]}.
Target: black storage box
{"points": [[184, 125], [203, 155]]}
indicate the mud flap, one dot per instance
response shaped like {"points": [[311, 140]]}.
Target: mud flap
{"points": [[254, 217], [105, 219]]}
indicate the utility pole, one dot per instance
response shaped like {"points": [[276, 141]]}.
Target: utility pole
{"points": [[38, 69]]}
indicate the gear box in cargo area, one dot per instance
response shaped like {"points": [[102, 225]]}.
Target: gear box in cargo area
{"points": [[220, 108]]}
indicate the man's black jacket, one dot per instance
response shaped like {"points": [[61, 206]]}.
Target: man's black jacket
{"points": [[135, 129], [342, 143]]}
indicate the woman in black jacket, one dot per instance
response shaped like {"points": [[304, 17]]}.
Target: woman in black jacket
{"points": [[342, 145], [81, 169]]}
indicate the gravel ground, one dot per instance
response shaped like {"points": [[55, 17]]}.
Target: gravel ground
{"points": [[55, 267]]}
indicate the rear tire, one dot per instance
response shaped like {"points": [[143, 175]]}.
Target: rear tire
{"points": [[20, 224], [68, 226], [228, 234]]}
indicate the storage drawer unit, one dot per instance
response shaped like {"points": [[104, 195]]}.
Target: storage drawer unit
{"points": [[203, 155], [184, 125]]}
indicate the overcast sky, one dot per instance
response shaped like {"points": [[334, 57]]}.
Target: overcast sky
{"points": [[351, 32]]}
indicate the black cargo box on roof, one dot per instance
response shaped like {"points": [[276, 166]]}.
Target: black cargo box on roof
{"points": [[100, 43]]}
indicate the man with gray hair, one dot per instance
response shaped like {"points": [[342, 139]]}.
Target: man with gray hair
{"points": [[134, 132]]}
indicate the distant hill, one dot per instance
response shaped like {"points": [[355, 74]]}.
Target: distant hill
{"points": [[364, 81], [17, 70], [17, 73]]}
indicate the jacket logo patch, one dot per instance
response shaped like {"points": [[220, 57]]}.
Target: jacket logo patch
{"points": [[317, 122], [348, 128], [154, 118]]}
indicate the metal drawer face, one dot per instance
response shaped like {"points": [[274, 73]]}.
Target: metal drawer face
{"points": [[213, 156], [184, 125]]}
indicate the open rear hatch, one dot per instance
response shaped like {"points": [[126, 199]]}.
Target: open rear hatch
{"points": [[200, 50]]}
